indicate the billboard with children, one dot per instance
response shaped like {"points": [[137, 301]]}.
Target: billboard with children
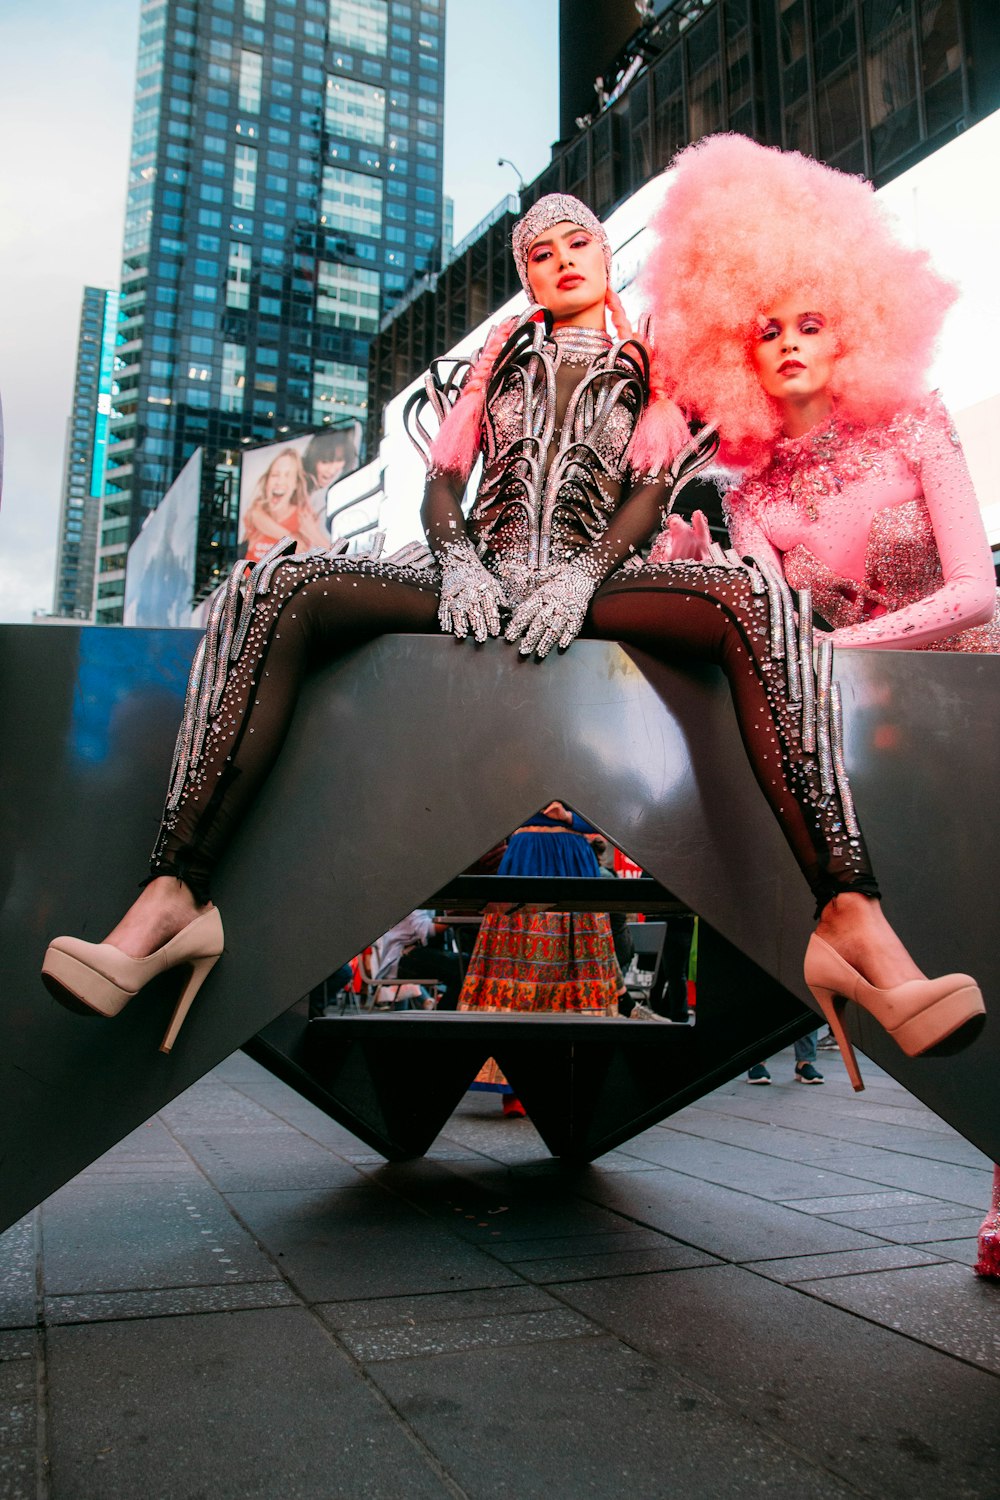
{"points": [[284, 486]]}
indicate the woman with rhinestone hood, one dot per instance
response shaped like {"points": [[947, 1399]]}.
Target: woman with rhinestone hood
{"points": [[580, 463]]}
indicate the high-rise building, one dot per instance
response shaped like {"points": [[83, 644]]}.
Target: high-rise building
{"points": [[86, 452], [285, 188]]}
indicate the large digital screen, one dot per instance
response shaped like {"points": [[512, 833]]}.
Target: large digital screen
{"points": [[159, 575]]}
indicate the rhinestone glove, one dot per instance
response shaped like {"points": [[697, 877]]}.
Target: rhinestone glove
{"points": [[554, 613], [471, 598]]}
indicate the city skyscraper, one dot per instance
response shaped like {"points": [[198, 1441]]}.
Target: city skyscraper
{"points": [[86, 452], [284, 189]]}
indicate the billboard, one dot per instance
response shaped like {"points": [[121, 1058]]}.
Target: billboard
{"points": [[284, 486], [159, 576]]}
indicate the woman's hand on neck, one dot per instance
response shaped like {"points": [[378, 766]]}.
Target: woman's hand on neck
{"points": [[800, 417]]}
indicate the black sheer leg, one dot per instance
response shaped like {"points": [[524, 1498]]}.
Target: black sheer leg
{"points": [[245, 683], [703, 612]]}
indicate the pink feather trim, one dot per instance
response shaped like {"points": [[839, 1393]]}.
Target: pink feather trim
{"points": [[455, 448], [659, 437]]}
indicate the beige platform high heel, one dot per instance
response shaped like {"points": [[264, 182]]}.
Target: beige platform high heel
{"points": [[917, 1014], [99, 978]]}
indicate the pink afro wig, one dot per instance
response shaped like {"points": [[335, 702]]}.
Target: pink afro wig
{"points": [[742, 228]]}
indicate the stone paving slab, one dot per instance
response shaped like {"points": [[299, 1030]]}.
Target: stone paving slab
{"points": [[799, 1268], [567, 1246], [486, 1205], [359, 1242], [666, 1257], [713, 1161], [797, 1128], [884, 1412], [256, 1160], [167, 1302], [965, 1251], [851, 1202], [102, 1237], [239, 1406], [909, 1208], [722, 1221], [18, 1434], [932, 1303], [590, 1417], [18, 1294], [454, 1334], [831, 1169], [390, 1312], [19, 1465], [925, 1231]]}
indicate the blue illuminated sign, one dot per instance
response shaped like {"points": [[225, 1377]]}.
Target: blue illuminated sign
{"points": [[103, 417]]}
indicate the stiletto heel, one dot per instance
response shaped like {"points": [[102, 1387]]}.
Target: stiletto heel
{"points": [[832, 1007], [97, 978], [199, 973], [918, 1014]]}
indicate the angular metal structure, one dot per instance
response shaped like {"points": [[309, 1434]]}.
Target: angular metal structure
{"points": [[406, 759]]}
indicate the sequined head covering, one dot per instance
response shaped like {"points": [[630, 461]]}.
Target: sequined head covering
{"points": [[554, 208]]}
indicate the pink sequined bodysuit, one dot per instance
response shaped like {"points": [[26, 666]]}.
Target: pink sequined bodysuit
{"points": [[882, 523]]}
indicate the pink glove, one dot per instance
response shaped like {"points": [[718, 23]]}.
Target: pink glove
{"points": [[678, 540]]}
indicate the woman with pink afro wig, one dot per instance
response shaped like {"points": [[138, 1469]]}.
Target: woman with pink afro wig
{"points": [[788, 312]]}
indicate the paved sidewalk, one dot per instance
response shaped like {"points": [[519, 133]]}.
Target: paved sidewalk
{"points": [[770, 1294]]}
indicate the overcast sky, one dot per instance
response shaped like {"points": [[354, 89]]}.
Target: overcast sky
{"points": [[67, 72]]}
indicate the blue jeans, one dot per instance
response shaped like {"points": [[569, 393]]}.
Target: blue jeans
{"points": [[805, 1048]]}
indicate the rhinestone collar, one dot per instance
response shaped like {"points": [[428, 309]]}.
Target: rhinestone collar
{"points": [[580, 346]]}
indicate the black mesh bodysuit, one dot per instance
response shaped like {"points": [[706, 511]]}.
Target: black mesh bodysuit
{"points": [[560, 411]]}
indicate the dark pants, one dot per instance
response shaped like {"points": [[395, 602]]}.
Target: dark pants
{"points": [[433, 963]]}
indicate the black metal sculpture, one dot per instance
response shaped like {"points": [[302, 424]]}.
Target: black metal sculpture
{"points": [[397, 773]]}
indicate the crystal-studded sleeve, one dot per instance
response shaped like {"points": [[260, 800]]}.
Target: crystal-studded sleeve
{"points": [[746, 534], [441, 511], [968, 594]]}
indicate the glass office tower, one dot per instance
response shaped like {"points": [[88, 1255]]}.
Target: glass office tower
{"points": [[86, 452], [284, 189]]}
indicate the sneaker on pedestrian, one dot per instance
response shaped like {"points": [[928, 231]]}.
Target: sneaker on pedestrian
{"points": [[827, 1042], [642, 1012], [806, 1073], [758, 1074]]}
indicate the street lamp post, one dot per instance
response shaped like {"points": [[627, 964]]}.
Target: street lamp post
{"points": [[503, 161]]}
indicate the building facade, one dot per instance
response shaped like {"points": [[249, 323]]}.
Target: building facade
{"points": [[86, 452], [869, 86], [284, 189]]}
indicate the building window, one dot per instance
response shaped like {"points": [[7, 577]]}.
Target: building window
{"points": [[339, 391], [234, 376], [351, 201], [891, 68], [347, 297], [245, 177], [251, 68], [359, 23], [355, 110], [238, 276]]}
